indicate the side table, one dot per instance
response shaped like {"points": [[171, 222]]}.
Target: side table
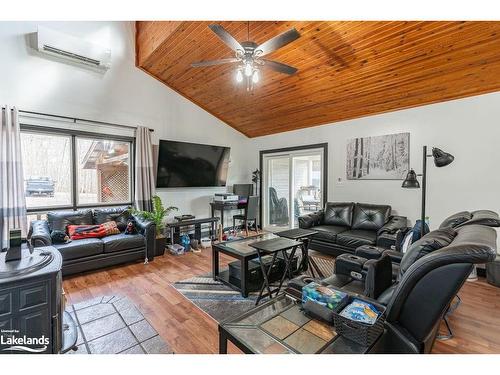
{"points": [[274, 246], [303, 235]]}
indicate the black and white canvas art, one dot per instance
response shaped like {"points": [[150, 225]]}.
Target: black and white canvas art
{"points": [[384, 157]]}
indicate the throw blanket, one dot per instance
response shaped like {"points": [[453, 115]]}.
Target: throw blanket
{"points": [[78, 232]]}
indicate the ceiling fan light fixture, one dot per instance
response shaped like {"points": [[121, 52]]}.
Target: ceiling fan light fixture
{"points": [[239, 76], [255, 76], [248, 69], [247, 55]]}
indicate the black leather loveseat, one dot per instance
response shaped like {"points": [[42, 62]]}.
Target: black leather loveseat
{"points": [[92, 253], [343, 227]]}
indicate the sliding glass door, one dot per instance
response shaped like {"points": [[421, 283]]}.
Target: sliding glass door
{"points": [[293, 184]]}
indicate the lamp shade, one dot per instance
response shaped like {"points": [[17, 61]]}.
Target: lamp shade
{"points": [[441, 158], [411, 181]]}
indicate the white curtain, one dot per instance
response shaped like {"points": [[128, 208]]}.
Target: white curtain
{"points": [[12, 199], [144, 174]]}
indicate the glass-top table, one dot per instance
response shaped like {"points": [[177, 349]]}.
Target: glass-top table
{"points": [[279, 326]]}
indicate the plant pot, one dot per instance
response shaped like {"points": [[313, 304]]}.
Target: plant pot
{"points": [[160, 244]]}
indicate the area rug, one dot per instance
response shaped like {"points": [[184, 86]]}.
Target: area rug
{"points": [[114, 325], [220, 301]]}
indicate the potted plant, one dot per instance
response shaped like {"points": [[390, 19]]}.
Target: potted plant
{"points": [[157, 216]]}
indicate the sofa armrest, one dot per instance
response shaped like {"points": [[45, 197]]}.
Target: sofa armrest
{"points": [[310, 220], [378, 276], [350, 265], [369, 251], [394, 224], [148, 230], [39, 233], [395, 256]]}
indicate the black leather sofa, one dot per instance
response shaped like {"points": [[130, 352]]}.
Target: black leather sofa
{"points": [[92, 253], [429, 281], [343, 227]]}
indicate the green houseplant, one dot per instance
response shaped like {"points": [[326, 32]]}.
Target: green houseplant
{"points": [[157, 216]]}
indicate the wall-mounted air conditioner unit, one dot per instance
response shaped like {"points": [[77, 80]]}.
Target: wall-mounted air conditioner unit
{"points": [[70, 48]]}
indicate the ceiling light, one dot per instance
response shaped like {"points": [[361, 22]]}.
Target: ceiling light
{"points": [[255, 77], [248, 69], [239, 76]]}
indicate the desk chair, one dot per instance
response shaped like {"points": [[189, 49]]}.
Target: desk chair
{"points": [[250, 213]]}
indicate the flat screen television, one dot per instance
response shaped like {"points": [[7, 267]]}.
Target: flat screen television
{"points": [[183, 164]]}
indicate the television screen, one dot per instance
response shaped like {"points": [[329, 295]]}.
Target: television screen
{"points": [[183, 164]]}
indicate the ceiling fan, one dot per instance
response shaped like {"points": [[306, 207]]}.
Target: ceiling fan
{"points": [[249, 55]]}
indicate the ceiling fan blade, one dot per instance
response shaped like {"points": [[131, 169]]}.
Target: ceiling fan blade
{"points": [[277, 42], [201, 64], [279, 67], [226, 37]]}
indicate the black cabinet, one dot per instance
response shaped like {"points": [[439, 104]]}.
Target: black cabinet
{"points": [[31, 303]]}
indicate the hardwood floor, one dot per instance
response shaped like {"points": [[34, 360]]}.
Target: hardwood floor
{"points": [[476, 323]]}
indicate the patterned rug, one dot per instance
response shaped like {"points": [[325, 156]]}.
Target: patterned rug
{"points": [[114, 325], [220, 301]]}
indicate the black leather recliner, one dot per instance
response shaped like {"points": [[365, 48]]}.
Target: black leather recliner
{"points": [[481, 217], [92, 253], [343, 227], [417, 303], [357, 265]]}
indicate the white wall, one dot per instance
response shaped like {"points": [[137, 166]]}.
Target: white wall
{"points": [[467, 128], [123, 95]]}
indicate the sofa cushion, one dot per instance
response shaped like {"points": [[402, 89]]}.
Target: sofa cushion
{"points": [[355, 238], [370, 216], [80, 248], [120, 215], [327, 233], [119, 242], [59, 220], [338, 213], [434, 240]]}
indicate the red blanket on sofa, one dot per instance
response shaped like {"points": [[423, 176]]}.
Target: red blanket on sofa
{"points": [[78, 232]]}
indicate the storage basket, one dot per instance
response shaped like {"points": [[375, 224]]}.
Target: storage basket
{"points": [[361, 333]]}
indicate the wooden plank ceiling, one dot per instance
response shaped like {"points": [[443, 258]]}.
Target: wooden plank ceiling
{"points": [[345, 69]]}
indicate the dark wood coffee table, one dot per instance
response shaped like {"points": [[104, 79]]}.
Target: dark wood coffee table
{"points": [[279, 326]]}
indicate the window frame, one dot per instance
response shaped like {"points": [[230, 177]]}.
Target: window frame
{"points": [[74, 134]]}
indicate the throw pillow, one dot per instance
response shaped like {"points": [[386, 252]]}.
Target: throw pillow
{"points": [[110, 228], [59, 237], [130, 228]]}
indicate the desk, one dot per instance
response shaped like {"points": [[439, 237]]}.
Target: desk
{"points": [[225, 206]]}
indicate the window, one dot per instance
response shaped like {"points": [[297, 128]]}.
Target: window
{"points": [[47, 169], [75, 170], [103, 171]]}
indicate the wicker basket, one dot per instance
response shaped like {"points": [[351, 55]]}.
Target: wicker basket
{"points": [[361, 333]]}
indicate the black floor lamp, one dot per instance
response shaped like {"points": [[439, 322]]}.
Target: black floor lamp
{"points": [[441, 159]]}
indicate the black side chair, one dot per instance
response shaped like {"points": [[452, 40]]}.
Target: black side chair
{"points": [[250, 213]]}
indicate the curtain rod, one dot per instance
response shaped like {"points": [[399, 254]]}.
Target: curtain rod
{"points": [[78, 119]]}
